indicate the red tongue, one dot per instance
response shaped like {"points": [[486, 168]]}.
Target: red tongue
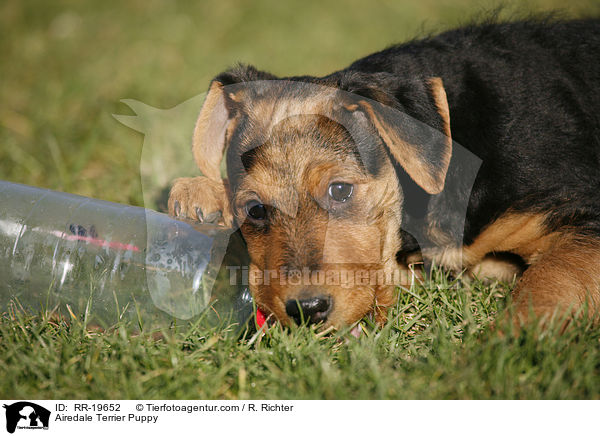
{"points": [[260, 318]]}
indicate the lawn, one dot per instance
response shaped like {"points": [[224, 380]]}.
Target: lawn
{"points": [[64, 70], [437, 345]]}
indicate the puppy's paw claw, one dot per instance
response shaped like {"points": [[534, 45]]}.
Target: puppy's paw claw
{"points": [[201, 199], [214, 217], [199, 214]]}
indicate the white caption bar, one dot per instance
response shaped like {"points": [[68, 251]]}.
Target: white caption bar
{"points": [[165, 417]]}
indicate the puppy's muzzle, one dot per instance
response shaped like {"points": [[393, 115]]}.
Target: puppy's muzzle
{"points": [[310, 310]]}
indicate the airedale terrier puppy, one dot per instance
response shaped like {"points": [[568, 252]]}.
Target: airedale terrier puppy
{"points": [[339, 180]]}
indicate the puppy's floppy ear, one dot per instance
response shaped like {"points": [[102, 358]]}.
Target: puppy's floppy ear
{"points": [[218, 117], [414, 125], [208, 143]]}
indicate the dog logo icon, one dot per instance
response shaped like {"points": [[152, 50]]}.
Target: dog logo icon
{"points": [[26, 415]]}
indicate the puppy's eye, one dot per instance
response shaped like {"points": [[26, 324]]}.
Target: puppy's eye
{"points": [[340, 191], [256, 210]]}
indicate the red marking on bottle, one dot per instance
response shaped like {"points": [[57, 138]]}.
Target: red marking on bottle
{"points": [[115, 245]]}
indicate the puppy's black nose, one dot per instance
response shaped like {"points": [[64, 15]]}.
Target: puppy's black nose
{"points": [[311, 310]]}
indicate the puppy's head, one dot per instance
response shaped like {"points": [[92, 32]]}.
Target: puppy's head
{"points": [[312, 166]]}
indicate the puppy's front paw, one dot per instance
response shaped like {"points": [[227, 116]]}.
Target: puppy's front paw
{"points": [[202, 199]]}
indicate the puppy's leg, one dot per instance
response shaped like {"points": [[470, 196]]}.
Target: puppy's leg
{"points": [[562, 280], [202, 199]]}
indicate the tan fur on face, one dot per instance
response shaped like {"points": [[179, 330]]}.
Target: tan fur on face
{"points": [[292, 173]]}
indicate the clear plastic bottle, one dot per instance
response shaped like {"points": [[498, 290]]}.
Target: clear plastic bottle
{"points": [[107, 262]]}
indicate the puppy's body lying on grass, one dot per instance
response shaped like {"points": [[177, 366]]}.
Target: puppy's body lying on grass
{"points": [[323, 173]]}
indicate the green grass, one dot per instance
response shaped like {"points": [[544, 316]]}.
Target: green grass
{"points": [[437, 345], [65, 67]]}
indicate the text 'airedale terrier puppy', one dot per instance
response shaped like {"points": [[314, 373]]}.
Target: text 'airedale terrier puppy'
{"points": [[477, 150]]}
